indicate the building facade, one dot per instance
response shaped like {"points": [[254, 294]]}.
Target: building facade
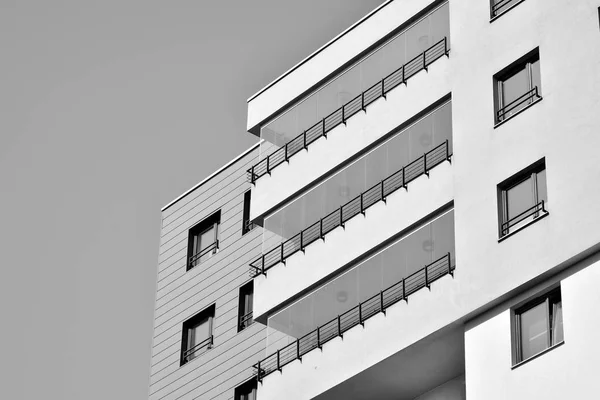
{"points": [[205, 341], [427, 184], [419, 220]]}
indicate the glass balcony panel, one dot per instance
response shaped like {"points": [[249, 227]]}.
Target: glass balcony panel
{"points": [[396, 262], [385, 160], [371, 69]]}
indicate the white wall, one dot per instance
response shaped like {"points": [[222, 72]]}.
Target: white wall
{"points": [[567, 371], [451, 390], [382, 116]]}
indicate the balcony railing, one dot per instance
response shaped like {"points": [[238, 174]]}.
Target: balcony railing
{"points": [[358, 205], [536, 211], [355, 316], [342, 114], [245, 321], [195, 259], [190, 353], [530, 96]]}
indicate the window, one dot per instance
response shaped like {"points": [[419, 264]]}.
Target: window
{"points": [[538, 326], [245, 306], [522, 198], [246, 391], [246, 224], [197, 335], [203, 241], [517, 87], [499, 7]]}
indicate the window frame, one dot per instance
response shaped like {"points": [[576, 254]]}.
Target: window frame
{"points": [[497, 15], [192, 323], [245, 389], [194, 239], [529, 173], [523, 63], [243, 311], [247, 226], [549, 297]]}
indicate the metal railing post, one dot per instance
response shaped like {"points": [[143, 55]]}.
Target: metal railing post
{"points": [[343, 115], [425, 165], [302, 241], [286, 152], [341, 216], [252, 175], [403, 75], [426, 278], [282, 258], [404, 290], [383, 89], [339, 321], [382, 191], [543, 206], [446, 46], [321, 229], [304, 134], [360, 320], [362, 96], [278, 366], [258, 372], [404, 177], [424, 61], [268, 168], [298, 349], [448, 151], [324, 132], [450, 265], [263, 264], [362, 210], [381, 301], [319, 339]]}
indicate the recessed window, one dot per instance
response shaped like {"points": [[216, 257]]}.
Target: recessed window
{"points": [[501, 6], [246, 391], [245, 306], [522, 198], [538, 326], [517, 87], [197, 335], [247, 226], [203, 241]]}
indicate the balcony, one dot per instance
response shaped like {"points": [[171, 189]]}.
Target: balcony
{"points": [[348, 110], [381, 70], [372, 178], [412, 263]]}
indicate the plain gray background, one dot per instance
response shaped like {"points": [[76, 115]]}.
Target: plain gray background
{"points": [[108, 111]]}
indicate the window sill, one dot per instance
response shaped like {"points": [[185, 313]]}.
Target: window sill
{"points": [[495, 17], [518, 112], [533, 221], [533, 357]]}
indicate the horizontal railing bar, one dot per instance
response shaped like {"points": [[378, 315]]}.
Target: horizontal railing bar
{"points": [[202, 344], [413, 66], [525, 214], [518, 101]]}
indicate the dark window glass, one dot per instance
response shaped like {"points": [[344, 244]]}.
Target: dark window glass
{"points": [[245, 306], [539, 325], [523, 198], [203, 240], [197, 335], [246, 224], [246, 391]]}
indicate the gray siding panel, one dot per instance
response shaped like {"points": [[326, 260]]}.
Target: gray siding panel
{"points": [[181, 294]]}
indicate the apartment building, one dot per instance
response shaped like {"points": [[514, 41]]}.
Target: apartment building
{"points": [[205, 339], [428, 188]]}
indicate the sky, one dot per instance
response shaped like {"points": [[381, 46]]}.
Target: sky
{"points": [[108, 111]]}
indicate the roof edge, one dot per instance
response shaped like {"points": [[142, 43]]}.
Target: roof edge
{"points": [[224, 167], [319, 50]]}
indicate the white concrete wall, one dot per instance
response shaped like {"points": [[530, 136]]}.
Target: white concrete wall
{"points": [[451, 390], [568, 371], [382, 116], [333, 57], [361, 234], [564, 128]]}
